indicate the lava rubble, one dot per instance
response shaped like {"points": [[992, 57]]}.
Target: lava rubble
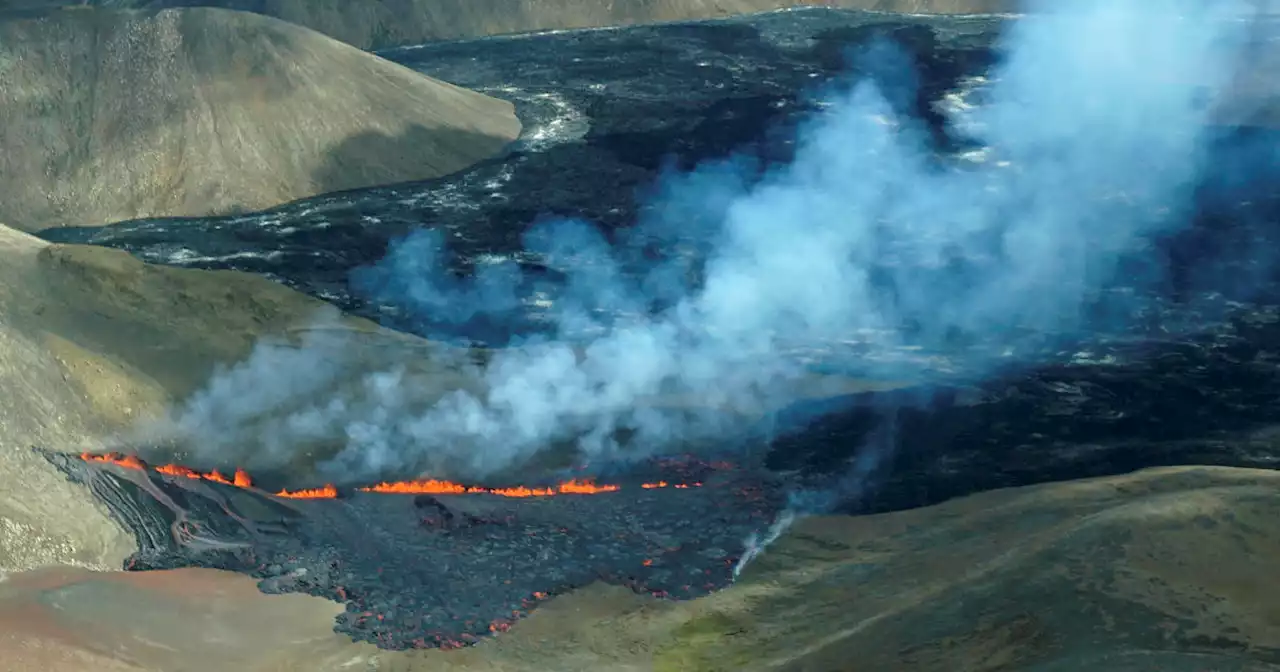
{"points": [[434, 564]]}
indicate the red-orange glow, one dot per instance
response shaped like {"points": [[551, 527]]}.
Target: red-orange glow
{"points": [[328, 491], [177, 470], [126, 461], [430, 486], [217, 477], [240, 479], [437, 487], [519, 491], [585, 488]]}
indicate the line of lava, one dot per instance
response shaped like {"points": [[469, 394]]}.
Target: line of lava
{"points": [[241, 479], [436, 487], [327, 491]]}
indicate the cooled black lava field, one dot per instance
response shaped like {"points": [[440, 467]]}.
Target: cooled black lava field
{"points": [[428, 571], [1184, 370]]}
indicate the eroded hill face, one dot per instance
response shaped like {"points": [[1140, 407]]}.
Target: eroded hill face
{"points": [[107, 116], [377, 24], [93, 342]]}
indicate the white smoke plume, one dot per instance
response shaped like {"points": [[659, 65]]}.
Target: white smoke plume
{"points": [[1094, 127], [849, 488], [755, 544]]}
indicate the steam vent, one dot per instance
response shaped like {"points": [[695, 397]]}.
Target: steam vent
{"points": [[435, 564]]}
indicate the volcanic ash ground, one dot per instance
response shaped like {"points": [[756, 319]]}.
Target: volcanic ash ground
{"points": [[430, 564]]}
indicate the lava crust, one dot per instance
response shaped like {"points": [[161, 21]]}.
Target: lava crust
{"points": [[438, 571]]}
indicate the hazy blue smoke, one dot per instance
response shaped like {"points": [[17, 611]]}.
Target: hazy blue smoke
{"points": [[1094, 134]]}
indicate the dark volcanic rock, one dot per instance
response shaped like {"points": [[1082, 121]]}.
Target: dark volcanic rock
{"points": [[1183, 373], [441, 570], [605, 112], [1109, 408]]}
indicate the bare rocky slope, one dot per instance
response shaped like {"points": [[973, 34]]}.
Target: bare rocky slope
{"points": [[92, 341], [376, 24], [113, 115]]}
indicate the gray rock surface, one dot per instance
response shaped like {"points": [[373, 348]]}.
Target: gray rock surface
{"points": [[93, 341], [376, 24], [114, 115]]}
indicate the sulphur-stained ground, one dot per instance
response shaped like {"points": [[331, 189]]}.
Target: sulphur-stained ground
{"points": [[1167, 569]]}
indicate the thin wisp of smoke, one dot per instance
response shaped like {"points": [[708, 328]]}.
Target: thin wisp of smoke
{"points": [[1093, 128]]}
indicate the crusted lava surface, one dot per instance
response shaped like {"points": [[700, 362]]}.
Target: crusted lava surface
{"points": [[441, 571]]}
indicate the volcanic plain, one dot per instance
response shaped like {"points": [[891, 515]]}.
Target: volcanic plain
{"points": [[1169, 568]]}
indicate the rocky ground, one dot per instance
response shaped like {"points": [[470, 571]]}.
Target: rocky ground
{"points": [[379, 24], [107, 116], [605, 112], [446, 570], [93, 341], [1164, 570], [606, 109], [1161, 569]]}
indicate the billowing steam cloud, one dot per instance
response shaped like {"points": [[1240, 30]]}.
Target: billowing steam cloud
{"points": [[1093, 128]]}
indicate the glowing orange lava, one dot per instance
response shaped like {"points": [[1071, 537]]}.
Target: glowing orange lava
{"points": [[126, 461], [328, 491], [437, 487], [241, 479]]}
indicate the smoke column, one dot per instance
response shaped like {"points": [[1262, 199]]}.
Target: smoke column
{"points": [[1093, 132], [755, 545]]}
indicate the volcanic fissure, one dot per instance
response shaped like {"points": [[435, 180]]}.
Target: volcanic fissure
{"points": [[432, 563]]}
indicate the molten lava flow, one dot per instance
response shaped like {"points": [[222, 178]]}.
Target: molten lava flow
{"points": [[586, 488], [437, 487], [176, 470], [126, 461], [328, 491], [424, 487], [240, 479]]}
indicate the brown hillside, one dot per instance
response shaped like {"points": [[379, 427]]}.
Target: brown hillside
{"points": [[376, 24], [106, 116], [93, 340]]}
